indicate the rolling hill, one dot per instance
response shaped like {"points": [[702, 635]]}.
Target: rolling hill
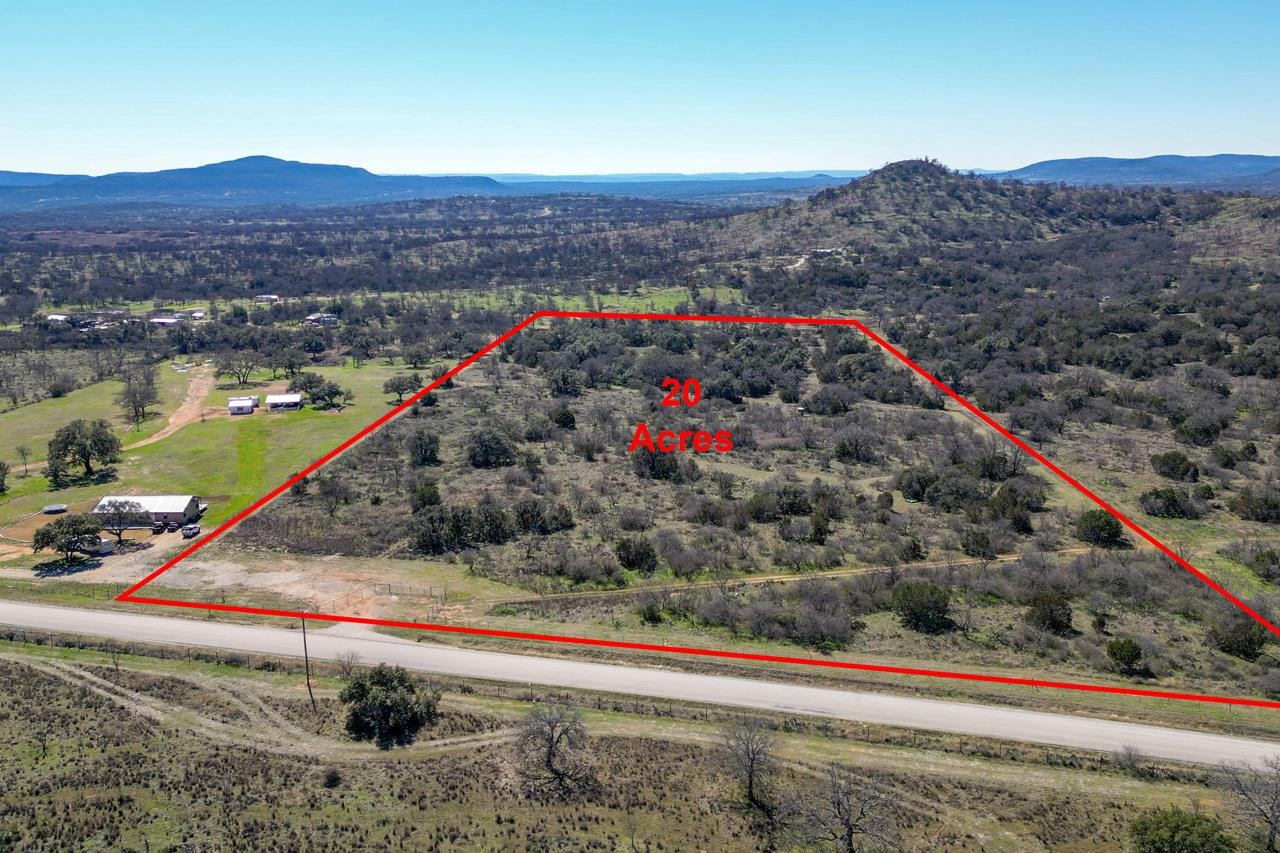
{"points": [[261, 181], [31, 179], [244, 182], [1224, 171]]}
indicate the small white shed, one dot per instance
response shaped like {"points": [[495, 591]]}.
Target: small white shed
{"points": [[241, 405]]}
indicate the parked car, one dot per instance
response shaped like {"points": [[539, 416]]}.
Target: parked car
{"points": [[191, 531], [158, 527], [174, 527]]}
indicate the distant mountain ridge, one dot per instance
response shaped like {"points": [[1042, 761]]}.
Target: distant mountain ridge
{"points": [[236, 183], [267, 181], [1217, 171], [261, 181], [31, 179]]}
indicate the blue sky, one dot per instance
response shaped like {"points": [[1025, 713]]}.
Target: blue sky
{"points": [[589, 87]]}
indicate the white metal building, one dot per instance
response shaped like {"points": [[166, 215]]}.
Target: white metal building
{"points": [[241, 405], [283, 402], [180, 508]]}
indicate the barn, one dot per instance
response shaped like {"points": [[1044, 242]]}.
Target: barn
{"points": [[283, 402], [183, 509]]}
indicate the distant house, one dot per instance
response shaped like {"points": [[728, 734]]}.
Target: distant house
{"points": [[322, 319], [165, 321], [183, 509], [58, 318], [267, 298], [283, 402], [241, 405], [197, 315]]}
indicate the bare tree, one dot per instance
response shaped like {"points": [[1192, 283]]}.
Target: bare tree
{"points": [[551, 750], [347, 663], [24, 453], [139, 392], [750, 744], [1255, 791], [847, 813]]}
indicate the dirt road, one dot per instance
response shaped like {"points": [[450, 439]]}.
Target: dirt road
{"points": [[189, 411]]}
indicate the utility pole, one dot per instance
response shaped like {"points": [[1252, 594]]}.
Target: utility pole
{"points": [[306, 661]]}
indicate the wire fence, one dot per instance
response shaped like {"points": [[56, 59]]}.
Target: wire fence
{"points": [[83, 590], [434, 596]]}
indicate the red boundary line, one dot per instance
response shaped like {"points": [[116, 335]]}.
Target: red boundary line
{"points": [[130, 595]]}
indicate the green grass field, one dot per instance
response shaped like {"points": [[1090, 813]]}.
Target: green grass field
{"points": [[228, 461], [33, 425]]}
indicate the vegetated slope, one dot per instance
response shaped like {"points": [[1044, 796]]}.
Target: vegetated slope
{"points": [[1245, 230], [534, 474], [922, 203], [968, 271], [1245, 171]]}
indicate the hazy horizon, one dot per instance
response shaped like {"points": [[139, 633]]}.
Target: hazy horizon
{"points": [[526, 176]]}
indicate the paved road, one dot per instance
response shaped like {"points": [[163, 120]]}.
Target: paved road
{"points": [[928, 714]]}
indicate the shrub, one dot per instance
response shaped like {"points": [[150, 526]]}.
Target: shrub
{"points": [[922, 606], [955, 490], [386, 706], [650, 605], [792, 499], [533, 515], [1101, 528], [1201, 429], [564, 418], [976, 542], [634, 518], [637, 554], [1224, 457], [1168, 503], [424, 448], [1051, 612], [1239, 635], [1175, 465], [1258, 503], [423, 494], [649, 465], [1173, 830], [914, 481], [1263, 560], [489, 448], [566, 383], [1126, 654]]}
